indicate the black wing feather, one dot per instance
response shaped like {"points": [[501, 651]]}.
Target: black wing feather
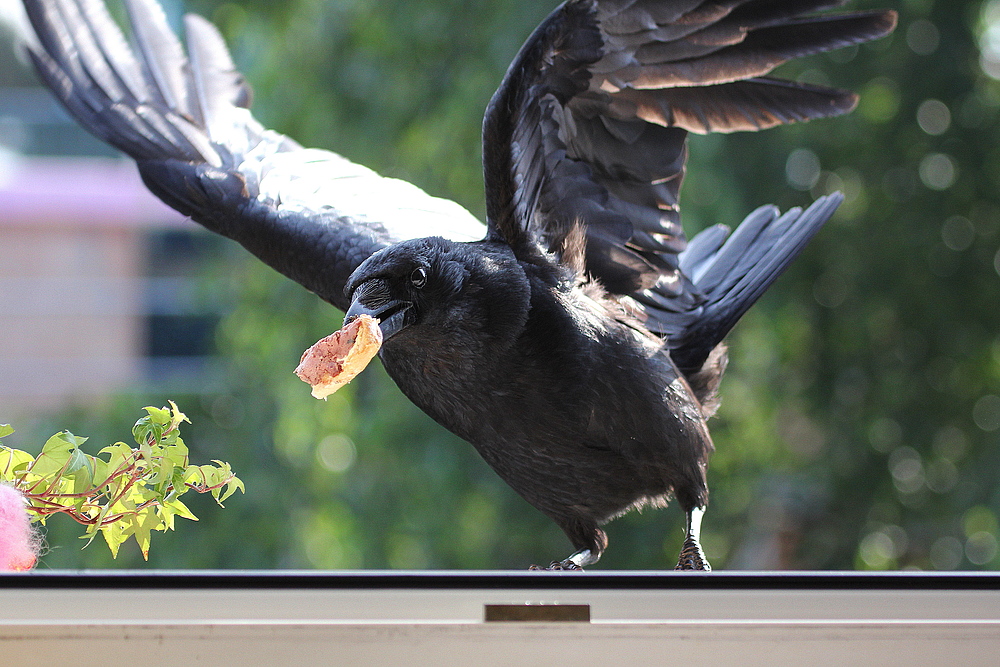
{"points": [[754, 104], [735, 275], [589, 130], [310, 214]]}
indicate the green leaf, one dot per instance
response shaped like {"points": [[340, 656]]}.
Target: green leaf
{"points": [[231, 487], [115, 534], [177, 416], [195, 475], [5, 430], [167, 511], [13, 461], [134, 491], [141, 524], [164, 471], [56, 454], [60, 443], [100, 469], [177, 453], [150, 429], [81, 469], [159, 416], [120, 455], [77, 460]]}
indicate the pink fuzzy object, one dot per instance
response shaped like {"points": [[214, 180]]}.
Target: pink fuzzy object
{"points": [[18, 542]]}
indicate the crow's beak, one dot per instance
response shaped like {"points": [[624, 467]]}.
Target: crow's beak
{"points": [[391, 317]]}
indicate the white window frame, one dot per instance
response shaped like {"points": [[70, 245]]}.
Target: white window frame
{"points": [[437, 618]]}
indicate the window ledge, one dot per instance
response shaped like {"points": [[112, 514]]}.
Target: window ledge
{"points": [[375, 618]]}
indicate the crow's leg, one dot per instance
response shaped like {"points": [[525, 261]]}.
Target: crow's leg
{"points": [[589, 540], [692, 557]]}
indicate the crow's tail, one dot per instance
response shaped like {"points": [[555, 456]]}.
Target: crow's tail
{"points": [[733, 270]]}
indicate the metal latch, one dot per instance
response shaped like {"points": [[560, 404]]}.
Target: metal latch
{"points": [[538, 612]]}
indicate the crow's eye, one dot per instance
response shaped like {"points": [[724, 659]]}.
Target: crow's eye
{"points": [[419, 277]]}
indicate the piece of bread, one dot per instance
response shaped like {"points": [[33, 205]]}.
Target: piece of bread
{"points": [[335, 360]]}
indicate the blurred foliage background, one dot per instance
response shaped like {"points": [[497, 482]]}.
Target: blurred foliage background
{"points": [[860, 421]]}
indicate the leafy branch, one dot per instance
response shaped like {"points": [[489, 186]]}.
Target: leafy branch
{"points": [[130, 492]]}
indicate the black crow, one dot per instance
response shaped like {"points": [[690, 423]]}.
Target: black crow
{"points": [[577, 340]]}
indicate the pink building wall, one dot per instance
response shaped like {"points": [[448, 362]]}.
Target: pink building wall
{"points": [[71, 278]]}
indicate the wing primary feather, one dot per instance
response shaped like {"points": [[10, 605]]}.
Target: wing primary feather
{"points": [[161, 53], [762, 51], [764, 13], [114, 46], [217, 86]]}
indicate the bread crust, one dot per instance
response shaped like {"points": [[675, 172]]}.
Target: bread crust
{"points": [[337, 359]]}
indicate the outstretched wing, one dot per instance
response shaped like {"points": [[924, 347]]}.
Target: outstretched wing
{"points": [[311, 214], [589, 130]]}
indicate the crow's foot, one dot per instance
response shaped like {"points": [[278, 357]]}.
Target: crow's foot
{"points": [[692, 557], [558, 565], [574, 562]]}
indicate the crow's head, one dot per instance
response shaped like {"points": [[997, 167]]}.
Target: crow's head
{"points": [[433, 282]]}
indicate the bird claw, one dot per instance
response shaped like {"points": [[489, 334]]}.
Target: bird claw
{"points": [[557, 565], [692, 558]]}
